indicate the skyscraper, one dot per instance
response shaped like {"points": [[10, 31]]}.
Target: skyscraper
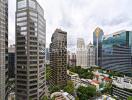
{"points": [[97, 38], [58, 57], [3, 48], [85, 55], [81, 53], [117, 52], [47, 56], [30, 50], [11, 61], [90, 55]]}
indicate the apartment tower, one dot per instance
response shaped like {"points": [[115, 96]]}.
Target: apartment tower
{"points": [[30, 50], [3, 48], [58, 57]]}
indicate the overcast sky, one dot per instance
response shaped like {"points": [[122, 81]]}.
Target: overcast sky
{"points": [[80, 17]]}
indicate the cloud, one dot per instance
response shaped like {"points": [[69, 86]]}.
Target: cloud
{"points": [[80, 17]]}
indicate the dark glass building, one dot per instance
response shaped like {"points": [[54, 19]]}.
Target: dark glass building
{"points": [[117, 52], [97, 39], [30, 50], [11, 61]]}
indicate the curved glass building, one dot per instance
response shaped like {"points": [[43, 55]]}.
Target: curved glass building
{"points": [[30, 50], [117, 52]]}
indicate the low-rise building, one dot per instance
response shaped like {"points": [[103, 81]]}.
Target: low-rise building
{"points": [[74, 77], [62, 96], [122, 87]]}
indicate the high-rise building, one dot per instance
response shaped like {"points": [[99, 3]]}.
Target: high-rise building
{"points": [[80, 43], [117, 52], [90, 55], [97, 38], [3, 48], [11, 61], [58, 57], [81, 53], [47, 56], [71, 59], [68, 58], [85, 55], [30, 50]]}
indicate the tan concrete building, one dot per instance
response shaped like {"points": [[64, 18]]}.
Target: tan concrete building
{"points": [[3, 48], [30, 50], [58, 57]]}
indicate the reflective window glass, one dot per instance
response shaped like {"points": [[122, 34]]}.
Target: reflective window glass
{"points": [[23, 33], [32, 4], [33, 14], [21, 14], [22, 23], [21, 18], [23, 28], [21, 4]]}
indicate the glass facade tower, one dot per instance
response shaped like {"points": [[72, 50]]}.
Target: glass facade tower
{"points": [[97, 39], [117, 52], [30, 50], [3, 48]]}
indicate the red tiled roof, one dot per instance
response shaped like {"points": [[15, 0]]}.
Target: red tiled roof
{"points": [[106, 79]]}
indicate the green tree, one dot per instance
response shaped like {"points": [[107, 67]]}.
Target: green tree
{"points": [[54, 89], [76, 98], [48, 72], [83, 73], [45, 98], [129, 98], [85, 93], [70, 87]]}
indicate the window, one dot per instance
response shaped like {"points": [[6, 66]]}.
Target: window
{"points": [[21, 4], [32, 4], [22, 23], [21, 14], [23, 28], [21, 18]]}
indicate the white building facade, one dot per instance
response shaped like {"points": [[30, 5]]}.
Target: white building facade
{"points": [[85, 55]]}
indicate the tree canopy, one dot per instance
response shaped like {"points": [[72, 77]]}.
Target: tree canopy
{"points": [[70, 87], [85, 93], [129, 98], [83, 73]]}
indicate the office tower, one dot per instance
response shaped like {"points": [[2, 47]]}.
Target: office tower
{"points": [[85, 55], [97, 38], [72, 60], [30, 50], [117, 52], [80, 43], [90, 55], [11, 61], [3, 48], [68, 58], [47, 56], [58, 57], [81, 53]]}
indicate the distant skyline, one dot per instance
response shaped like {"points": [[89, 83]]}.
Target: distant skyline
{"points": [[80, 18]]}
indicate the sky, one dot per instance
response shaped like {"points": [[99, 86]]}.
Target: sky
{"points": [[79, 18]]}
